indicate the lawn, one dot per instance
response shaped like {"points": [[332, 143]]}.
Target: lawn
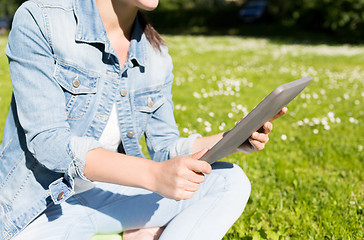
{"points": [[308, 181]]}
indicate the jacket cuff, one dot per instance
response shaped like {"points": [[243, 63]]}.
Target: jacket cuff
{"points": [[61, 189], [77, 149], [183, 146]]}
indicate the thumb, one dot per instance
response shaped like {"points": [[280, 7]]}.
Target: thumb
{"points": [[199, 154]]}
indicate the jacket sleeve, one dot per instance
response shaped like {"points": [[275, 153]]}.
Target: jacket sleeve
{"points": [[40, 100], [163, 138]]}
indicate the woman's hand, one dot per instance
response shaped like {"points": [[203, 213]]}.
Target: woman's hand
{"points": [[179, 177], [258, 139]]}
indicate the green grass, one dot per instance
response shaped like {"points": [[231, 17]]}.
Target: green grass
{"points": [[5, 86], [308, 181], [309, 186]]}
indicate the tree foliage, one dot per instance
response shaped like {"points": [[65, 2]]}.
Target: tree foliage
{"points": [[189, 4], [335, 15], [8, 7]]}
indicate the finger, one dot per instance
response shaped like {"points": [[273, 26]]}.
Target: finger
{"points": [[196, 177], [267, 128], [192, 187], [282, 112], [199, 154], [199, 166], [257, 144], [260, 137], [188, 195], [184, 196]]}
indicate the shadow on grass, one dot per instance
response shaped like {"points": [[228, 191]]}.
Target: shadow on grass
{"points": [[219, 22]]}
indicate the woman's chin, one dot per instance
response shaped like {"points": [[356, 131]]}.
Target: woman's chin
{"points": [[147, 5]]}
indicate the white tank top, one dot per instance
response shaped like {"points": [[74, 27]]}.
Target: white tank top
{"points": [[110, 139]]}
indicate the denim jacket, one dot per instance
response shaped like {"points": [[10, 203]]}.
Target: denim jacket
{"points": [[66, 77]]}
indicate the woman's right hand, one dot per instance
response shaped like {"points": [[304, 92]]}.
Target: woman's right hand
{"points": [[178, 178]]}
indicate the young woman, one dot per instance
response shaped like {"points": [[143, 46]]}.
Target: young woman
{"points": [[90, 78]]}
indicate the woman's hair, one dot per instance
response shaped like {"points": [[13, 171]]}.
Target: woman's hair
{"points": [[152, 35]]}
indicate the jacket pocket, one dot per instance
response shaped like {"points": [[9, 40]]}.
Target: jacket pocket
{"points": [[79, 86], [146, 104]]}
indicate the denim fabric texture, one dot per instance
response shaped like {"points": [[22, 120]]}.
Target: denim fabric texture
{"points": [[66, 78], [109, 208]]}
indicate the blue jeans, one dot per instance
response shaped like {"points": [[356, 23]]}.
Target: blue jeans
{"points": [[110, 208]]}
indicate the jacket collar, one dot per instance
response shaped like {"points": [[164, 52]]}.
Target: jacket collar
{"points": [[90, 29], [137, 48]]}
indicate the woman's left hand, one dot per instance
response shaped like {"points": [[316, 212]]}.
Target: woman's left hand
{"points": [[258, 139]]}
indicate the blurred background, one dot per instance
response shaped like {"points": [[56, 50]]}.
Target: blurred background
{"points": [[333, 20]]}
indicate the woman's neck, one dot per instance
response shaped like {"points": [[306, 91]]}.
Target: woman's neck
{"points": [[118, 17]]}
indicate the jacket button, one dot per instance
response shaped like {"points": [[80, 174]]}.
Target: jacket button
{"points": [[150, 102], [76, 82], [130, 134], [123, 92], [60, 196]]}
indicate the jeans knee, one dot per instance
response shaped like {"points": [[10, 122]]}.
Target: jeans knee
{"points": [[240, 183], [237, 183]]}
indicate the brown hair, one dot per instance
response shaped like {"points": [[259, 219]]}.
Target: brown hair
{"points": [[152, 35]]}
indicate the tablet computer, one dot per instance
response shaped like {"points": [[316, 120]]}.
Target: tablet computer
{"points": [[262, 113]]}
